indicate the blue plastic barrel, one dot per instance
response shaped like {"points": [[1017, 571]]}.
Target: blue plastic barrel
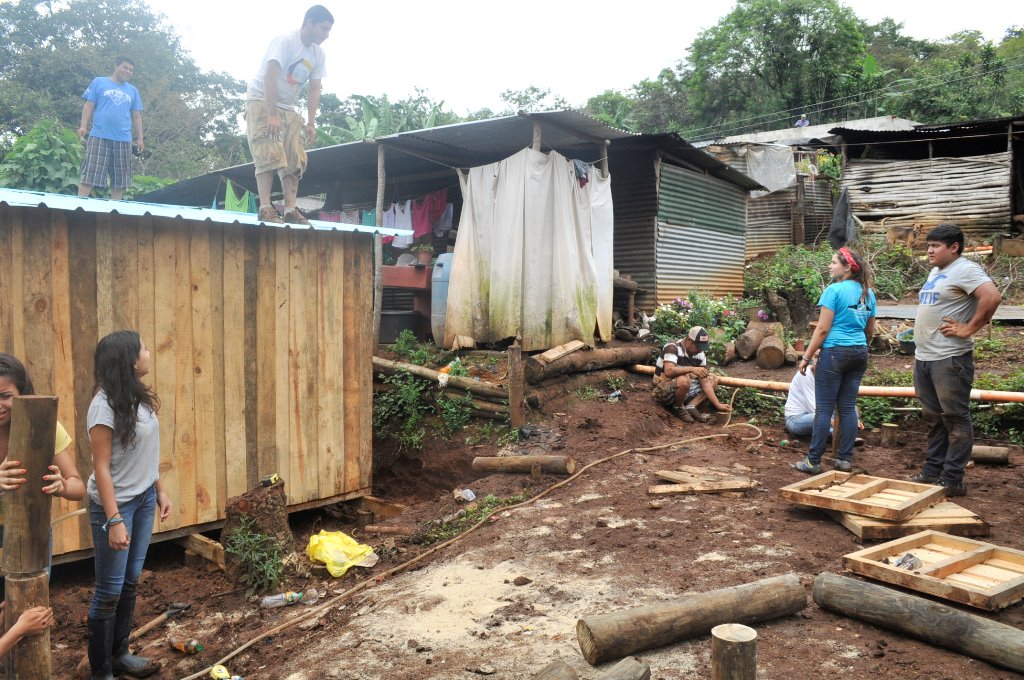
{"points": [[439, 296]]}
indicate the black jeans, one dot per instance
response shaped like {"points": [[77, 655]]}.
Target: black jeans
{"points": [[944, 389]]}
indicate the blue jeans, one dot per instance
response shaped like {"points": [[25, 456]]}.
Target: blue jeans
{"points": [[836, 382], [944, 390], [801, 425], [118, 570]]}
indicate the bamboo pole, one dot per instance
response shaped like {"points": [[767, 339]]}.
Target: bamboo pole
{"points": [[27, 531], [865, 390], [475, 387]]}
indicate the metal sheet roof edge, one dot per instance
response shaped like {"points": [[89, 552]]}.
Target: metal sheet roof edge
{"points": [[34, 199]]}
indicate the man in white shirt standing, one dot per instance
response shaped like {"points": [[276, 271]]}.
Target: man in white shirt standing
{"points": [[274, 126]]}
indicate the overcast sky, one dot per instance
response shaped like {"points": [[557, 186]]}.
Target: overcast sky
{"points": [[466, 52]]}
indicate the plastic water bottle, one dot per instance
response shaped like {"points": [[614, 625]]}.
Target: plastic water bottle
{"points": [[187, 645], [280, 600]]}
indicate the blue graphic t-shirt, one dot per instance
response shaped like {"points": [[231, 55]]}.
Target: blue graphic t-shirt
{"points": [[114, 102], [851, 316]]}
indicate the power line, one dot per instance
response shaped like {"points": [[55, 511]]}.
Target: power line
{"points": [[842, 102]]}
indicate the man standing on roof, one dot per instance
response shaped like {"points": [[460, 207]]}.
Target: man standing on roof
{"points": [[274, 126], [802, 121], [114, 105]]}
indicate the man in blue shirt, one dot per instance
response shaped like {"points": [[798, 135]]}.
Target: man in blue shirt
{"points": [[115, 107]]}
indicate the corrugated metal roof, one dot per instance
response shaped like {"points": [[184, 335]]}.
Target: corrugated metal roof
{"points": [[925, 132], [682, 150], [415, 153], [19, 198]]}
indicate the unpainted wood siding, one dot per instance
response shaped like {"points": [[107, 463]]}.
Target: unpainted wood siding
{"points": [[260, 339]]}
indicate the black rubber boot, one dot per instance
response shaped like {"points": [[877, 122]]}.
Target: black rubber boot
{"points": [[101, 636], [124, 662]]}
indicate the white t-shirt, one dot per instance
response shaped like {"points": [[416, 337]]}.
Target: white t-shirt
{"points": [[801, 394], [133, 470], [299, 64]]}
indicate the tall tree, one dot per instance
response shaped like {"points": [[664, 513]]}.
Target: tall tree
{"points": [[53, 50], [768, 60]]}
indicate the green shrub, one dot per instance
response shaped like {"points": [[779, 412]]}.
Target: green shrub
{"points": [[258, 554], [485, 507], [758, 407], [792, 266], [455, 414], [47, 158], [398, 412]]}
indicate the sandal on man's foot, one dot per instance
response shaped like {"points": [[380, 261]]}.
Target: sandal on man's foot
{"points": [[697, 416], [683, 414]]}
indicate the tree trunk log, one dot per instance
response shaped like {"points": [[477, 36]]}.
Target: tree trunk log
{"points": [[780, 306], [730, 353], [749, 341], [268, 508], [557, 670], [627, 669], [468, 384], [771, 353], [30, 658], [992, 455], [33, 427], [552, 465], [938, 624], [389, 529], [586, 360], [792, 354], [603, 637], [889, 431], [733, 652]]}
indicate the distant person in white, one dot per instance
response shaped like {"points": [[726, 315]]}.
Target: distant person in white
{"points": [[802, 121]]}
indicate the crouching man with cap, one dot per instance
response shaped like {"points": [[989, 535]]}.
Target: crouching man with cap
{"points": [[681, 378]]}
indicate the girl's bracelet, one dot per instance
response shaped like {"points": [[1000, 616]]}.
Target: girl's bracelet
{"points": [[116, 519]]}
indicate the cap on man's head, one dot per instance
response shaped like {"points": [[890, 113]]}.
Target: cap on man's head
{"points": [[698, 335]]}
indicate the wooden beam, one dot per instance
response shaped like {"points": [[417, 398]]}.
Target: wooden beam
{"points": [[378, 248], [207, 548], [517, 417]]}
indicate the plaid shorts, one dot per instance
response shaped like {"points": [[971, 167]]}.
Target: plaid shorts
{"points": [[287, 153], [106, 158], [664, 391]]}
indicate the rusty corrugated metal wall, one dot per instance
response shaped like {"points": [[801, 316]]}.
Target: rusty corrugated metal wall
{"points": [[701, 234], [635, 199]]}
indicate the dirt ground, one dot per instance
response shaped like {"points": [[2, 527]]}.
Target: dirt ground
{"points": [[504, 600]]}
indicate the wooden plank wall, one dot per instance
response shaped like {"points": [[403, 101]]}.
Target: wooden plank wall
{"points": [[260, 340]]}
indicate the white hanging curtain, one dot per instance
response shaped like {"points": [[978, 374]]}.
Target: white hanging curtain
{"points": [[533, 255]]}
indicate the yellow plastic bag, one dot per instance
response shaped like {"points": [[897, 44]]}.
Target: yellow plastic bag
{"points": [[337, 550]]}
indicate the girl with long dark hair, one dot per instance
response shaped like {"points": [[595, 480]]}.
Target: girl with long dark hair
{"points": [[124, 495], [846, 324]]}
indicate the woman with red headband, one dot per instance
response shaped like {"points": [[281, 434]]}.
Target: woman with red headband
{"points": [[845, 325]]}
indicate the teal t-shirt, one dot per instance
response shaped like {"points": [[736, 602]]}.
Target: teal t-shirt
{"points": [[851, 316]]}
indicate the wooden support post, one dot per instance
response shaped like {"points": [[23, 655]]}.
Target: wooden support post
{"points": [[889, 431], [604, 170], [515, 386], [378, 248], [935, 623], [27, 531], [604, 637], [536, 136], [733, 652]]}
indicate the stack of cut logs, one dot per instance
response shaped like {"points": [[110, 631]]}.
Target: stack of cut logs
{"points": [[765, 342]]}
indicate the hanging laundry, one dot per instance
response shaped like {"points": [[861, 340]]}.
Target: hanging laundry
{"points": [[444, 223], [350, 217], [369, 218], [582, 171], [329, 216], [236, 199], [388, 222], [403, 220]]}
